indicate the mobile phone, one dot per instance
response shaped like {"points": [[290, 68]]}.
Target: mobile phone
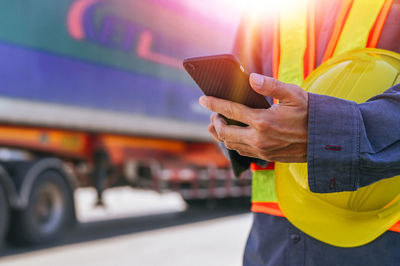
{"points": [[224, 77]]}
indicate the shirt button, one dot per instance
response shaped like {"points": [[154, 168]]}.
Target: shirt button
{"points": [[295, 238]]}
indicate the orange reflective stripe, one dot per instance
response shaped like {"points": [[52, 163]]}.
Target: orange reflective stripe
{"points": [[309, 55], [344, 12], [395, 227], [276, 50], [273, 208], [267, 207], [256, 167], [378, 26], [276, 53]]}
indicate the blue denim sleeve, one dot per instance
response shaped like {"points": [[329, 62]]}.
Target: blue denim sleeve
{"points": [[352, 145]]}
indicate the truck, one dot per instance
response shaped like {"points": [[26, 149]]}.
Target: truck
{"points": [[93, 94]]}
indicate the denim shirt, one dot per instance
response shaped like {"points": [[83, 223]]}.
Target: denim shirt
{"points": [[360, 148], [273, 241], [366, 148]]}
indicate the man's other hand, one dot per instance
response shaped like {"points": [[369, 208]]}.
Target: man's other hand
{"points": [[276, 134]]}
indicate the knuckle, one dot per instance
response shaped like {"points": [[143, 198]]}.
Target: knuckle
{"points": [[276, 85], [260, 122], [229, 110], [229, 145], [260, 143], [221, 131]]}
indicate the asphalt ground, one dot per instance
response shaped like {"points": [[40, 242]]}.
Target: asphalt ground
{"points": [[144, 228]]}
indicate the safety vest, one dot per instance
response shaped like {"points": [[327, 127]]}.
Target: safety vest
{"points": [[359, 25]]}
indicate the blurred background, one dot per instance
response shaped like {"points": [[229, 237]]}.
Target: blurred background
{"points": [[105, 158]]}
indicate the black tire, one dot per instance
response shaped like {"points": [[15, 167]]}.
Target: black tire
{"points": [[49, 214], [4, 214]]}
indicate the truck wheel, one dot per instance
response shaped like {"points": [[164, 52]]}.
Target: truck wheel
{"points": [[49, 213], [4, 214]]}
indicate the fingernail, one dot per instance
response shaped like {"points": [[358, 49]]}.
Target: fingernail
{"points": [[257, 79], [202, 101]]}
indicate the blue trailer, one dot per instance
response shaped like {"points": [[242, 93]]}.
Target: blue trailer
{"points": [[70, 64], [93, 93]]}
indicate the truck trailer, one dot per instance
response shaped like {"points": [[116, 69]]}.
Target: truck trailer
{"points": [[93, 94]]}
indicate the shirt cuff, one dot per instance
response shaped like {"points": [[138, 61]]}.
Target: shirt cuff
{"points": [[333, 144]]}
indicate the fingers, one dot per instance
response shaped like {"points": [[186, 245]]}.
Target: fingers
{"points": [[220, 122], [295, 153], [229, 109], [274, 88], [211, 128], [242, 149], [213, 133], [227, 132]]}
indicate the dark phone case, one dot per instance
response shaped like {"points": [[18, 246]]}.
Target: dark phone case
{"points": [[222, 76]]}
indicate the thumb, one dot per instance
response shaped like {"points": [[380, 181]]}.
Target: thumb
{"points": [[274, 88]]}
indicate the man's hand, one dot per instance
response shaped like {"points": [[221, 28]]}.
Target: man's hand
{"points": [[276, 134]]}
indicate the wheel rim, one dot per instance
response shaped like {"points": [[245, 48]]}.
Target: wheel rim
{"points": [[48, 208]]}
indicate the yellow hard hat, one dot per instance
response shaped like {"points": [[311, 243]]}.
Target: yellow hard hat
{"points": [[344, 219]]}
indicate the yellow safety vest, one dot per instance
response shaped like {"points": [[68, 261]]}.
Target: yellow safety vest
{"points": [[358, 26]]}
